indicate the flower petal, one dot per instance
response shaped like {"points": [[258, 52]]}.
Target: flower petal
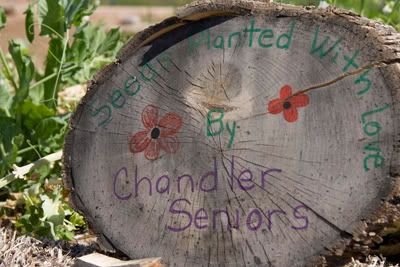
{"points": [[153, 150], [285, 92], [169, 144], [170, 124], [290, 114], [139, 142], [275, 106], [300, 100], [150, 116]]}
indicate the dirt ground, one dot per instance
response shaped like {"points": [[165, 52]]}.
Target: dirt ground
{"points": [[22, 250], [129, 18]]}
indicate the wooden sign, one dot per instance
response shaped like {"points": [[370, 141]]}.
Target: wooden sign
{"points": [[239, 134]]}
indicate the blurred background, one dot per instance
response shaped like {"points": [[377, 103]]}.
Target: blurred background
{"points": [[134, 15]]}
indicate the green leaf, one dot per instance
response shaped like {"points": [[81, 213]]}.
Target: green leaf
{"points": [[53, 60], [31, 195], [52, 230], [8, 130], [31, 222], [51, 18], [91, 38], [43, 171], [36, 94], [50, 134], [10, 140], [94, 48], [62, 232], [52, 210], [25, 69], [91, 67], [77, 220], [29, 24], [75, 10], [3, 18], [78, 50], [5, 97], [15, 49], [33, 114], [110, 42], [48, 127]]}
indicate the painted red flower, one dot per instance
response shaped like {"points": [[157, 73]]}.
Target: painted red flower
{"points": [[288, 103], [158, 134]]}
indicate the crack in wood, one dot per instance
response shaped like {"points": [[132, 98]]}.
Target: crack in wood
{"points": [[375, 65], [343, 233]]}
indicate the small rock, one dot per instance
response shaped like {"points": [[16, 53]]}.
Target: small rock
{"points": [[381, 220], [377, 239], [367, 242], [338, 252], [131, 20], [364, 233]]}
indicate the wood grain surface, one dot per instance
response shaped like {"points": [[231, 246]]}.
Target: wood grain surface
{"points": [[239, 133]]}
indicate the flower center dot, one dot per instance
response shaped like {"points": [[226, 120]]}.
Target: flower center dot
{"points": [[155, 133], [287, 105]]}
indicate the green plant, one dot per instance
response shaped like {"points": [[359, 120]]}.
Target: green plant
{"points": [[45, 212], [146, 2], [386, 11], [31, 124]]}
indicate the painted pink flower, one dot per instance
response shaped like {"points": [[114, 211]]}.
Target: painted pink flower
{"points": [[158, 134], [288, 103]]}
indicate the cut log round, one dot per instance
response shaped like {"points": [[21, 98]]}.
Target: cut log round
{"points": [[239, 133]]}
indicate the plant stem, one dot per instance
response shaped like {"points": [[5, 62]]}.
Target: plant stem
{"points": [[51, 76], [8, 71], [2, 151], [362, 7], [395, 7], [26, 149], [59, 68], [8, 114], [21, 171]]}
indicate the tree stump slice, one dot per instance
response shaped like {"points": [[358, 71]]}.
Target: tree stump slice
{"points": [[239, 133]]}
